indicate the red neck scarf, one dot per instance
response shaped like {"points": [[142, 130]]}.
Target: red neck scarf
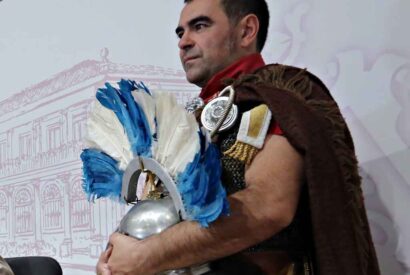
{"points": [[245, 65]]}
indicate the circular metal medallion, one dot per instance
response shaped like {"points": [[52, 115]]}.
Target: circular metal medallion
{"points": [[214, 111]]}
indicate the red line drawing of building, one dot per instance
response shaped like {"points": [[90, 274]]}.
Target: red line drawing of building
{"points": [[43, 210]]}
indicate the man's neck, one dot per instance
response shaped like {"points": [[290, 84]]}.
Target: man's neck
{"points": [[244, 65]]}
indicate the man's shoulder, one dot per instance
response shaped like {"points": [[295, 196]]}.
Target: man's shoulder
{"points": [[292, 78], [289, 71]]}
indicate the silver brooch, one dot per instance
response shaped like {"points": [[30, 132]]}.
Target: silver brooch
{"points": [[194, 104], [220, 113]]}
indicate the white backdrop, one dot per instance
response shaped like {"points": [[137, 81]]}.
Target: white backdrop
{"points": [[54, 54]]}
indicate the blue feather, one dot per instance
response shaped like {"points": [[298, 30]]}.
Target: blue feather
{"points": [[102, 177], [141, 86], [200, 186], [141, 127], [110, 99], [130, 115]]}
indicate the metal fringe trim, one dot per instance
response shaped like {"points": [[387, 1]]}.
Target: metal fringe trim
{"points": [[242, 152]]}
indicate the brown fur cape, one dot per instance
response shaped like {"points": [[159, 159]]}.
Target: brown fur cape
{"points": [[311, 121]]}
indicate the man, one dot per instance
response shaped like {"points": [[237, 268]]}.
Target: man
{"points": [[267, 195]]}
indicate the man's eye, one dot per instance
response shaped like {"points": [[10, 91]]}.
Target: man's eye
{"points": [[199, 26], [180, 34]]}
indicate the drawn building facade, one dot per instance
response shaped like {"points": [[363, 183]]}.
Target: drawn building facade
{"points": [[43, 209]]}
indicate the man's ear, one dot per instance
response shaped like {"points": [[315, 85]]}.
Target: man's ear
{"points": [[249, 28]]}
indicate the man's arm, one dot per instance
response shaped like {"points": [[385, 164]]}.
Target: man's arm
{"points": [[265, 207]]}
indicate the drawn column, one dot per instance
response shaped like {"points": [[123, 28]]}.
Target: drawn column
{"points": [[36, 143], [9, 152], [97, 228], [66, 248], [37, 206], [64, 134]]}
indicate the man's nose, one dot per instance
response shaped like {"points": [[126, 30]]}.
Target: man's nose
{"points": [[185, 42]]}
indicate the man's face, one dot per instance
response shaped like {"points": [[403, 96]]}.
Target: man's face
{"points": [[207, 42]]}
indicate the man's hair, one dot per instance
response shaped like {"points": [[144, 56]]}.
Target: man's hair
{"points": [[237, 9]]}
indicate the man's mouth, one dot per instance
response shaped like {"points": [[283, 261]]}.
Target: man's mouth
{"points": [[187, 59]]}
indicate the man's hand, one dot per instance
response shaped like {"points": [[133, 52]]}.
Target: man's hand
{"points": [[127, 256], [265, 207], [102, 266]]}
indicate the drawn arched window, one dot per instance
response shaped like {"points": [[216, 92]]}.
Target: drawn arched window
{"points": [[4, 226], [24, 211], [51, 202], [80, 207]]}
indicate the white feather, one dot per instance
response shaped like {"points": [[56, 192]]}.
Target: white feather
{"points": [[106, 133], [178, 138], [147, 104]]}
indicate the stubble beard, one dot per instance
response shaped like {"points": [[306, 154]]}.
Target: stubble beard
{"points": [[207, 70]]}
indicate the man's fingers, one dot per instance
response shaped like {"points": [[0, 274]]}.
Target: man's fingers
{"points": [[103, 269], [108, 251], [114, 237], [105, 255]]}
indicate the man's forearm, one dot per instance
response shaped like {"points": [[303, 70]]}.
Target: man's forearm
{"points": [[187, 243], [266, 206]]}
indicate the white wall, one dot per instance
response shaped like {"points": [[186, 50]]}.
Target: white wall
{"points": [[360, 49]]}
